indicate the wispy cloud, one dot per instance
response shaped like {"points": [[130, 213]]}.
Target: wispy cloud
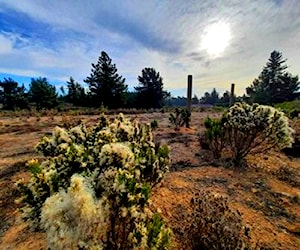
{"points": [[58, 39]]}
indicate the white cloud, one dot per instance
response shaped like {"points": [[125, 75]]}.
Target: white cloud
{"points": [[165, 35]]}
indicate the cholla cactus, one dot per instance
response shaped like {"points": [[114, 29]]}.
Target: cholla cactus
{"points": [[93, 189], [180, 118], [255, 128]]}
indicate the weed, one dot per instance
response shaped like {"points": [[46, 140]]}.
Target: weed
{"points": [[213, 225]]}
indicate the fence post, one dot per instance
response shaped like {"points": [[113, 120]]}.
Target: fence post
{"points": [[231, 95], [189, 93]]}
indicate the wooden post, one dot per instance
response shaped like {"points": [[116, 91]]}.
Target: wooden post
{"points": [[189, 93], [231, 95]]}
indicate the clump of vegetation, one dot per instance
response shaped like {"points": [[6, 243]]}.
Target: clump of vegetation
{"points": [[213, 225], [154, 124], [180, 118], [93, 189], [215, 136], [246, 129], [292, 109], [295, 149]]}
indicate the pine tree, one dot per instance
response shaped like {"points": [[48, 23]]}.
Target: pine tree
{"points": [[12, 96], [274, 84], [105, 84], [210, 98], [42, 93], [76, 94], [150, 93]]}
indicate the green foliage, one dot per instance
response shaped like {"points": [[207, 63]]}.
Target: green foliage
{"points": [[150, 93], [214, 134], [154, 124], [93, 189], [214, 99], [274, 84], [12, 96], [106, 86], [180, 118], [292, 109], [213, 225], [76, 94], [210, 98], [42, 94], [246, 129], [255, 129]]}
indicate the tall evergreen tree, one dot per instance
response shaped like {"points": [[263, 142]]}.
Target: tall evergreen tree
{"points": [[42, 93], [274, 84], [106, 86], [12, 96], [150, 93]]}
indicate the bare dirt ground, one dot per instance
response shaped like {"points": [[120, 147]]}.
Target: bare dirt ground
{"points": [[267, 192]]}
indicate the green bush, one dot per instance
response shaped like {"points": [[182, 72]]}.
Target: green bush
{"points": [[92, 191], [154, 124], [213, 225], [247, 129], [291, 109], [181, 117], [255, 129], [214, 134]]}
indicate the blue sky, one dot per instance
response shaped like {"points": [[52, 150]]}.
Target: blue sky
{"points": [[58, 39]]}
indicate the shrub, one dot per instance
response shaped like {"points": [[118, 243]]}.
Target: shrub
{"points": [[213, 225], [214, 135], [255, 129], [92, 191], [180, 118], [247, 129], [154, 124]]}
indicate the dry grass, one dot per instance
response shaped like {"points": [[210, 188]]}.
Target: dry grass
{"points": [[265, 193]]}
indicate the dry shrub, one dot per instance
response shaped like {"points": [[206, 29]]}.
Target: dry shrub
{"points": [[214, 225]]}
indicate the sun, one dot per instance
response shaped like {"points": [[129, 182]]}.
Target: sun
{"points": [[216, 38]]}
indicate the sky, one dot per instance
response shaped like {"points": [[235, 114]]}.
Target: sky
{"points": [[219, 42]]}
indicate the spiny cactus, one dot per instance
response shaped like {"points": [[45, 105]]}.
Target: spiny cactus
{"points": [[181, 117], [92, 191], [247, 129]]}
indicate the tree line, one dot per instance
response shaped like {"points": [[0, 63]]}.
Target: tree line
{"points": [[273, 85], [107, 88]]}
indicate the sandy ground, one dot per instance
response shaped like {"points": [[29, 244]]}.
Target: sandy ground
{"points": [[267, 192]]}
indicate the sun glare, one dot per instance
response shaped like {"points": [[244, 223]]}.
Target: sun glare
{"points": [[216, 39]]}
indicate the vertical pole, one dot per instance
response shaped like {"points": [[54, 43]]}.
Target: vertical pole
{"points": [[231, 95], [189, 93]]}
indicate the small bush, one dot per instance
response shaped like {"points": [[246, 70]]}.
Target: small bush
{"points": [[247, 129], [255, 129], [215, 136], [181, 117], [213, 225], [92, 191], [154, 124]]}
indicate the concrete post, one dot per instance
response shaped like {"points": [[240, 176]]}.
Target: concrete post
{"points": [[189, 93], [231, 102]]}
